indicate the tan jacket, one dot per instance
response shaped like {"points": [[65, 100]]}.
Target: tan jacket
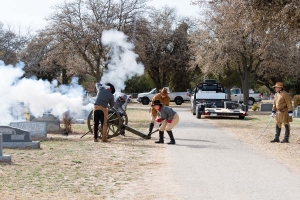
{"points": [[281, 105], [165, 101]]}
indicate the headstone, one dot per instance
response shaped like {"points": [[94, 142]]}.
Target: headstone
{"points": [[266, 107], [297, 112], [3, 158], [17, 138], [53, 123], [37, 130]]}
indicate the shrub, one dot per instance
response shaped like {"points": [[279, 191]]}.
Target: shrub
{"points": [[255, 107]]}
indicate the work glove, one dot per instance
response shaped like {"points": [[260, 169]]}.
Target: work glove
{"points": [[273, 113], [290, 113], [169, 122], [158, 120]]}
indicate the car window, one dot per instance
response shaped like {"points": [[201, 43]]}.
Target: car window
{"points": [[234, 91], [153, 91]]}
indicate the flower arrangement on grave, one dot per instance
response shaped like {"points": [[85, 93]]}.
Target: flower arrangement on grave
{"points": [[67, 120], [255, 107], [296, 100]]}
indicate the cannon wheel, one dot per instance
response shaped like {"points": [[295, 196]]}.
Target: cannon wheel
{"points": [[114, 123], [124, 119]]}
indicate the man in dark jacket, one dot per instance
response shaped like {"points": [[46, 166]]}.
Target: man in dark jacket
{"points": [[104, 98]]}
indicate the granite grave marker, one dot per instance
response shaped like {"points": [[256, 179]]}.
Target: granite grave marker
{"points": [[266, 107], [37, 129], [17, 138], [53, 123], [3, 158]]}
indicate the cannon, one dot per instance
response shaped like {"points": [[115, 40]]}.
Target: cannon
{"points": [[117, 123]]}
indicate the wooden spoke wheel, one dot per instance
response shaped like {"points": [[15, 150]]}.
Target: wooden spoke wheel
{"points": [[124, 119], [115, 123]]}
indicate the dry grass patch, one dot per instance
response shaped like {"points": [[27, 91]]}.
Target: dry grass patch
{"points": [[74, 168]]}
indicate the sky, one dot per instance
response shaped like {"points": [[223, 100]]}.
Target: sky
{"points": [[32, 13]]}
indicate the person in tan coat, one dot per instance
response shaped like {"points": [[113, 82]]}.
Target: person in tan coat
{"points": [[164, 98], [283, 111]]}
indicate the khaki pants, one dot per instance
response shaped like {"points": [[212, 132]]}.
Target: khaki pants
{"points": [[165, 126], [96, 122]]}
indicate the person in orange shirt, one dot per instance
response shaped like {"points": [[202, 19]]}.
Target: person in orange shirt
{"points": [[164, 98]]}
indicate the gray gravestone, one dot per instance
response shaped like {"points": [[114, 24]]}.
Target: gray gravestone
{"points": [[266, 107], [297, 112], [53, 123], [3, 158], [17, 138], [37, 130]]}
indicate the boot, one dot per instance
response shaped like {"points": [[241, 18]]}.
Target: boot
{"points": [[122, 132], [287, 134], [161, 137], [277, 134], [151, 125], [172, 140]]}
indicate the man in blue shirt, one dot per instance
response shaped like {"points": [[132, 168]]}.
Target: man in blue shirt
{"points": [[104, 98]]}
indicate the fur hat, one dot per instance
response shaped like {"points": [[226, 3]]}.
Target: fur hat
{"points": [[156, 102], [278, 84]]}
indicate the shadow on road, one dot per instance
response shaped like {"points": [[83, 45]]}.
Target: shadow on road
{"points": [[194, 140], [198, 146]]}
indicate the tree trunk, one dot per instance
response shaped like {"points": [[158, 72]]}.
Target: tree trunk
{"points": [[245, 78]]}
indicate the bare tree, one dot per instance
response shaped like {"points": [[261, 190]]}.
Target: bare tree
{"points": [[241, 35], [43, 58], [11, 43], [280, 63], [163, 46], [280, 16], [230, 38], [77, 28]]}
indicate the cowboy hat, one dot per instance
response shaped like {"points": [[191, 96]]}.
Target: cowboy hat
{"points": [[112, 87], [164, 91], [156, 102], [278, 84]]}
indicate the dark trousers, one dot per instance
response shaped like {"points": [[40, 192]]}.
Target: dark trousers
{"points": [[98, 117]]}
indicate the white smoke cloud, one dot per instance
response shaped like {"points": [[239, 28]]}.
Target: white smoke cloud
{"points": [[122, 60], [43, 96], [38, 95]]}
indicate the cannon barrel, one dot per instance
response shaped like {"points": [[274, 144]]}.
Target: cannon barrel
{"points": [[136, 132]]}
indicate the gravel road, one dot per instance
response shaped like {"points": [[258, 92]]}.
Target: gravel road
{"points": [[210, 164]]}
